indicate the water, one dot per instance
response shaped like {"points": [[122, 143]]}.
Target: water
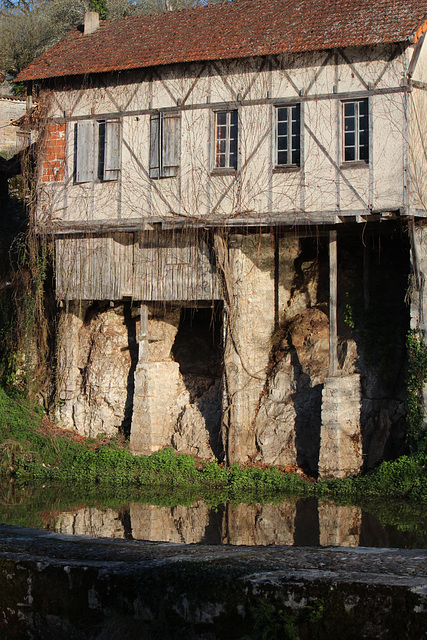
{"points": [[304, 522]]}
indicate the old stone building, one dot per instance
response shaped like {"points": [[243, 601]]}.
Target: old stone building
{"points": [[236, 196]]}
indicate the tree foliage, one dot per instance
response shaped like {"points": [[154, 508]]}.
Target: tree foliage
{"points": [[29, 27]]}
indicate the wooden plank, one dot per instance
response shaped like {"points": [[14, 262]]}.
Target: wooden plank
{"points": [[143, 334], [171, 131], [155, 145], [333, 276], [84, 143], [366, 265], [112, 150]]}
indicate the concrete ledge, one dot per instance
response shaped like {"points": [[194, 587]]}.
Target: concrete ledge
{"points": [[57, 586]]}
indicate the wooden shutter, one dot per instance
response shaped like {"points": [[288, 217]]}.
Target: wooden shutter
{"points": [[83, 151], [112, 150], [155, 145], [171, 130]]}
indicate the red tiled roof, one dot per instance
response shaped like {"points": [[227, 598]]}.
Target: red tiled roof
{"points": [[233, 29]]}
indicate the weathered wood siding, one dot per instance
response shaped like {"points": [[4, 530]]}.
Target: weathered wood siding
{"points": [[143, 266], [174, 267]]}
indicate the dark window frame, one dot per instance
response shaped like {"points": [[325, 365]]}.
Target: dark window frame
{"points": [[355, 131], [226, 140], [288, 136]]}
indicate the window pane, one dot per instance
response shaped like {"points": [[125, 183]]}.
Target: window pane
{"points": [[363, 107], [282, 144], [282, 157], [363, 123], [350, 154], [350, 139], [220, 146], [101, 149], [363, 139], [282, 128], [296, 119], [364, 153], [296, 157], [349, 108], [350, 124], [221, 117], [220, 160]]}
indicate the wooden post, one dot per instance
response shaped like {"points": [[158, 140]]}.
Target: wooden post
{"points": [[143, 335], [276, 280], [333, 339], [366, 277]]}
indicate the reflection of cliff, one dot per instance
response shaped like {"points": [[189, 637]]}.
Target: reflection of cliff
{"points": [[90, 521], [169, 524], [301, 522]]}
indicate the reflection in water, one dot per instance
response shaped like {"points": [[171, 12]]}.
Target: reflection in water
{"points": [[303, 522], [90, 521]]}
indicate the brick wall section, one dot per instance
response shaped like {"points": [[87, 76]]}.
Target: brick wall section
{"points": [[54, 156]]}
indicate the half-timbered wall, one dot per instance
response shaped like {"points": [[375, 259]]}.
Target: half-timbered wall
{"points": [[323, 188]]}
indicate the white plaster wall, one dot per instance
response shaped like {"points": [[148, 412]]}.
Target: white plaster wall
{"points": [[417, 132], [318, 80]]}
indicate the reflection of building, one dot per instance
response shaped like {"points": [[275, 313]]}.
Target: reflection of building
{"points": [[198, 170]]}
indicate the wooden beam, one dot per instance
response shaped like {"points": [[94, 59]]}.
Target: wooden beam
{"points": [[366, 277], [333, 274], [143, 335], [233, 104]]}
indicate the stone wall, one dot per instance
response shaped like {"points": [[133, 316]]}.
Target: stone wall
{"points": [[56, 586]]}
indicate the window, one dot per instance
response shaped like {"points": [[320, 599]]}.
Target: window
{"points": [[96, 150], [288, 136], [226, 139], [355, 131], [165, 134]]}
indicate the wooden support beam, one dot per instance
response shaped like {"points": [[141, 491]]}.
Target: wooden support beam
{"points": [[143, 334], [366, 277], [333, 274]]}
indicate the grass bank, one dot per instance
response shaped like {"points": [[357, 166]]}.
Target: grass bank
{"points": [[29, 452]]}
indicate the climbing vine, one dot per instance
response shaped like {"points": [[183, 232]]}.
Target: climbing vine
{"points": [[416, 379]]}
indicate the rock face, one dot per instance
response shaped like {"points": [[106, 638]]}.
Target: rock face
{"points": [[177, 396], [244, 379], [95, 388], [287, 425]]}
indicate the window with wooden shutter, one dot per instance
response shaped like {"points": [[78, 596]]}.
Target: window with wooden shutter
{"points": [[84, 151], [111, 150], [97, 150], [165, 134], [155, 145]]}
